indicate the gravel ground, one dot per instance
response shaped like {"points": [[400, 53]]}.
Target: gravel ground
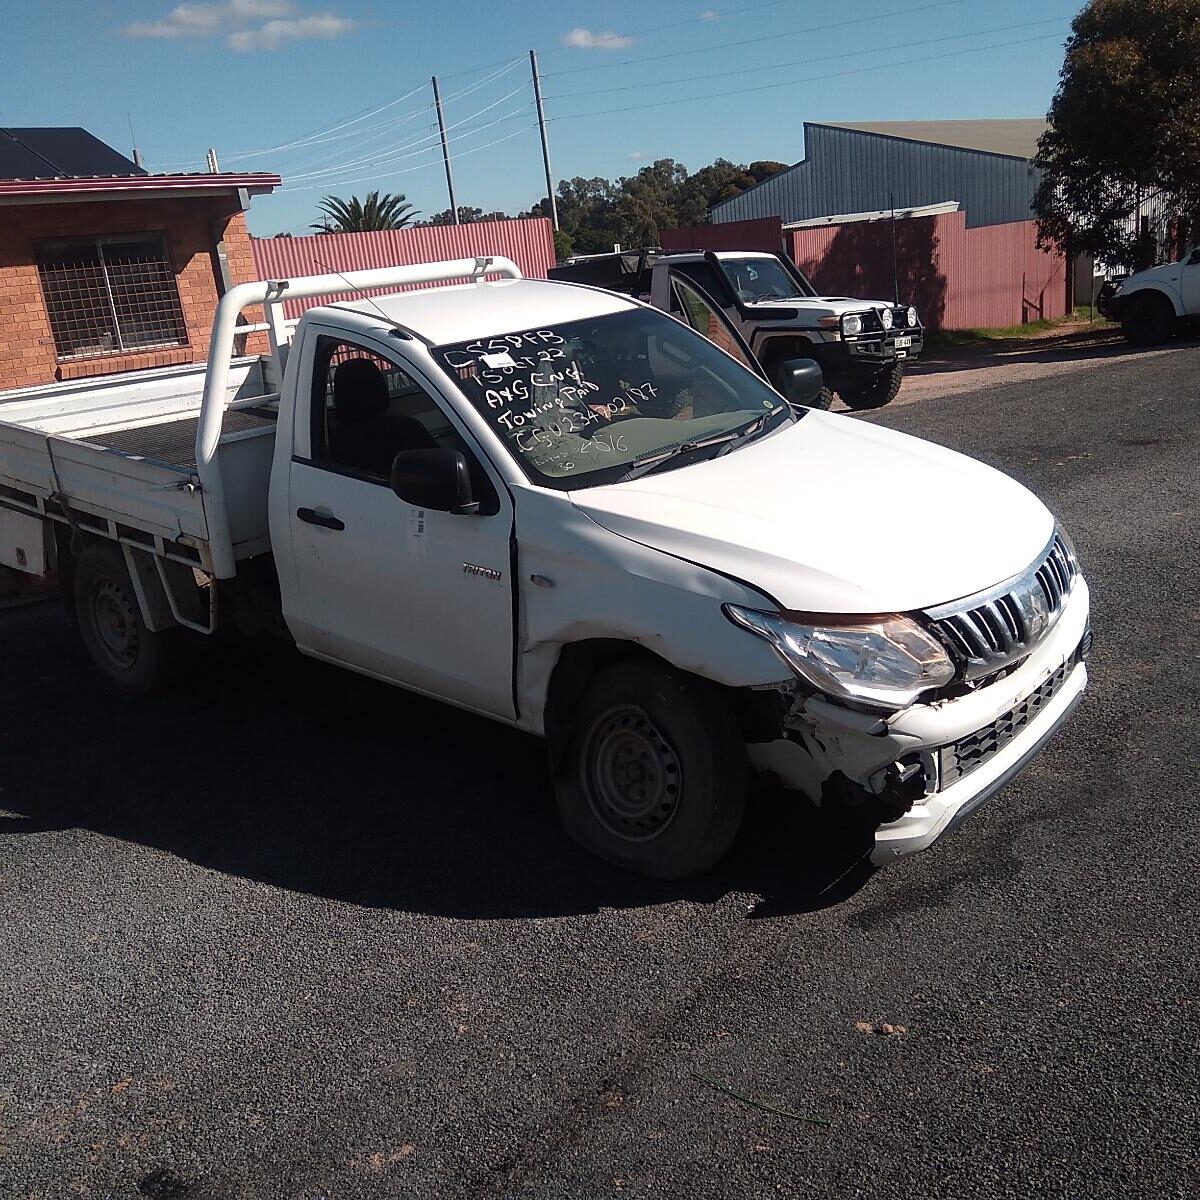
{"points": [[288, 933]]}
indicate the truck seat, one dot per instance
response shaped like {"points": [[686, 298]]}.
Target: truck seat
{"points": [[363, 434]]}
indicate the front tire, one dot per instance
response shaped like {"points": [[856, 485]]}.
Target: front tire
{"points": [[1148, 321], [655, 781], [880, 390], [133, 659]]}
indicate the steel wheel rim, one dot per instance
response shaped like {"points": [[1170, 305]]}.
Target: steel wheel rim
{"points": [[115, 623], [633, 776]]}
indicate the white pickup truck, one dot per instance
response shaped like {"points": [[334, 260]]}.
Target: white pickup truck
{"points": [[1153, 304], [569, 512]]}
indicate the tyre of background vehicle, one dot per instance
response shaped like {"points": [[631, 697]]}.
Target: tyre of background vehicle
{"points": [[1148, 321], [131, 657], [880, 390], [823, 400], [655, 780]]}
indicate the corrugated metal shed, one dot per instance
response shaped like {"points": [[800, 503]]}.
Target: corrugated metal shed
{"points": [[528, 241], [852, 170]]}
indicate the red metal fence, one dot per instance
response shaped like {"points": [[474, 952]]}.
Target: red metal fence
{"points": [[762, 233], [958, 278], [528, 241]]}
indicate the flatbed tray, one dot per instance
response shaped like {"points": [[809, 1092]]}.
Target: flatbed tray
{"points": [[173, 443]]}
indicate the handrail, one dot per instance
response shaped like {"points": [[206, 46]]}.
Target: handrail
{"points": [[275, 291]]}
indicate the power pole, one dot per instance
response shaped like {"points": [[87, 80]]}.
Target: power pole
{"points": [[541, 113], [437, 103]]}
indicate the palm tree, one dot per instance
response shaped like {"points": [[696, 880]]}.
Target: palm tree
{"points": [[358, 216]]}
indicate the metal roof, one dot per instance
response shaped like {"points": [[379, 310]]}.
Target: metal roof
{"points": [[58, 154], [1016, 138], [848, 169], [144, 186], [70, 164]]}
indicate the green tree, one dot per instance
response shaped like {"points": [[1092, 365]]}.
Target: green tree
{"points": [[466, 216], [360, 216], [1124, 129]]}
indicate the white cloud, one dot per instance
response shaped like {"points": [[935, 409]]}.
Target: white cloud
{"points": [[638, 156], [274, 34], [585, 39], [245, 24], [709, 14]]}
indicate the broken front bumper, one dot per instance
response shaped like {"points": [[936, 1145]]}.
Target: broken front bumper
{"points": [[955, 754]]}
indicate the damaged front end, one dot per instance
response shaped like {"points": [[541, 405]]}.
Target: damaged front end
{"points": [[917, 771]]}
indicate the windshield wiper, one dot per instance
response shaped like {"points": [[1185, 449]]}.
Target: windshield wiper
{"points": [[649, 464], [727, 441]]}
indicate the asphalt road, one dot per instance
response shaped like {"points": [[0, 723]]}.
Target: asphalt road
{"points": [[287, 933]]}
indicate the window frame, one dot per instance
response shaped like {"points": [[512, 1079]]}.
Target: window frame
{"points": [[491, 503], [95, 243]]}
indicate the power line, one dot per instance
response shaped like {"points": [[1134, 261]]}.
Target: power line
{"points": [[772, 37], [331, 176], [797, 62], [388, 153], [808, 79], [318, 136], [407, 170]]}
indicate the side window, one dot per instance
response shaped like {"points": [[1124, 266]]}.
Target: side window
{"points": [[366, 409]]}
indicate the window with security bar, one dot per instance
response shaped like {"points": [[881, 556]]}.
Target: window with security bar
{"points": [[110, 295]]}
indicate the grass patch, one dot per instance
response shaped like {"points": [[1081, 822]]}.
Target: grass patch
{"points": [[951, 339]]}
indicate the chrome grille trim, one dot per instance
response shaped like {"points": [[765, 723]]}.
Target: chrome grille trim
{"points": [[993, 630]]}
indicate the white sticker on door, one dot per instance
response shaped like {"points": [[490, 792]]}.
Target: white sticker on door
{"points": [[416, 531]]}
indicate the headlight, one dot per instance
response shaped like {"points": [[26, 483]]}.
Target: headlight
{"points": [[885, 662], [885, 315], [912, 318], [852, 324]]}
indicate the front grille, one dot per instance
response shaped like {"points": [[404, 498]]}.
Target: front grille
{"points": [[997, 629], [961, 758]]}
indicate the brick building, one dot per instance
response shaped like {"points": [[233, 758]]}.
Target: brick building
{"points": [[106, 268]]}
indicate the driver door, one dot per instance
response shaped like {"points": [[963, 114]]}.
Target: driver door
{"points": [[415, 596]]}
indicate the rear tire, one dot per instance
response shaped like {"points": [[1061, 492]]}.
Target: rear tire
{"points": [[1148, 321], [132, 658], [655, 780], [881, 390]]}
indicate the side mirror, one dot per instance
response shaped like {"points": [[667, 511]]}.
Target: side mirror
{"points": [[437, 479], [1195, 259], [800, 381]]}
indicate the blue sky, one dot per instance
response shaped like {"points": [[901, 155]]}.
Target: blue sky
{"points": [[334, 94]]}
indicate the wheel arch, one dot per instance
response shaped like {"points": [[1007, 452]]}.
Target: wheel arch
{"points": [[1153, 289], [758, 711]]}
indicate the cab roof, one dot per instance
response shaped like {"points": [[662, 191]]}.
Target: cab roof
{"points": [[465, 312]]}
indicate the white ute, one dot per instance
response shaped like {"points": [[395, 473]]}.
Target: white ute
{"points": [[567, 511]]}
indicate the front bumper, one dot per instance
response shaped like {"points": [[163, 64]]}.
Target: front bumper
{"points": [[898, 345], [968, 748], [1109, 302]]}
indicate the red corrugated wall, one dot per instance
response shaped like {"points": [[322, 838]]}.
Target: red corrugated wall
{"points": [[762, 233], [528, 241], [959, 278]]}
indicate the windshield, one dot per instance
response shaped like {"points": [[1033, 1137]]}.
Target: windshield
{"points": [[589, 402], [755, 279]]}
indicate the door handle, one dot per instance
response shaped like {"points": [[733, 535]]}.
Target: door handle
{"points": [[325, 520]]}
